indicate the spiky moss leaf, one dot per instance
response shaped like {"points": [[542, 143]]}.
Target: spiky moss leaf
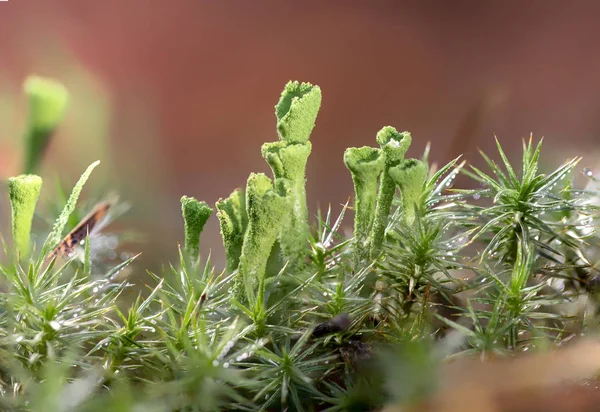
{"points": [[297, 111], [24, 191], [365, 165], [48, 101], [195, 214], [233, 221], [410, 175], [394, 146], [288, 162], [266, 212], [55, 236]]}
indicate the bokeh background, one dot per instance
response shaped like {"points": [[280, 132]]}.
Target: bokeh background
{"points": [[176, 96]]}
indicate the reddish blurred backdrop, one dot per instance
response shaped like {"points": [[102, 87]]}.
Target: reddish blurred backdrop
{"points": [[176, 96]]}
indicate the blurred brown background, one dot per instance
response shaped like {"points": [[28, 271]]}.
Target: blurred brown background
{"points": [[176, 96]]}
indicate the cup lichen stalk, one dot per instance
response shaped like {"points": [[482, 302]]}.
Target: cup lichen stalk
{"points": [[24, 191], [267, 212], [195, 215], [410, 175], [233, 221], [365, 165], [48, 101], [394, 146], [296, 113]]}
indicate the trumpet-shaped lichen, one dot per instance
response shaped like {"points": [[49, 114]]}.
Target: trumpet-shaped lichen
{"points": [[410, 175], [288, 163], [365, 165], [24, 191], [296, 113], [195, 214], [48, 100], [393, 146], [233, 221], [266, 212]]}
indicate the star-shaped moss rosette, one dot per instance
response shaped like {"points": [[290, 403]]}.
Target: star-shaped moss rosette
{"points": [[267, 211], [233, 221], [24, 191], [365, 165], [48, 101], [296, 114], [394, 146], [195, 215]]}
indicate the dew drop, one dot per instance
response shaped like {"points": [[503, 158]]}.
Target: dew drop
{"points": [[476, 196], [588, 172]]}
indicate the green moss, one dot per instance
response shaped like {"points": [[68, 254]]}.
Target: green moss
{"points": [[24, 191], [365, 165], [195, 214], [410, 176], [297, 111], [393, 146], [233, 221], [48, 101]]}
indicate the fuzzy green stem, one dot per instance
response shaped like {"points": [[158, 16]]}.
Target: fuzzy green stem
{"points": [[410, 175], [24, 191], [266, 212], [233, 220], [48, 101], [288, 163], [393, 146], [297, 111], [365, 165], [195, 214]]}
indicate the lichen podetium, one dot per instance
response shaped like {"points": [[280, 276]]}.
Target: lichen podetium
{"points": [[24, 191], [393, 146], [267, 212], [48, 101], [296, 113], [365, 165], [195, 214], [409, 175], [233, 221]]}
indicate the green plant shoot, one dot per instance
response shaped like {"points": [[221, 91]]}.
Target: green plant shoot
{"points": [[195, 215], [365, 165], [48, 101], [24, 191]]}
